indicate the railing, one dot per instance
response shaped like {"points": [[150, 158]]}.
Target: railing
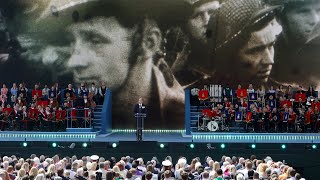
{"points": [[82, 117]]}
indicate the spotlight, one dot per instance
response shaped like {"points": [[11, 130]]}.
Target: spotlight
{"points": [[311, 146], [161, 146], [283, 146], [223, 146], [191, 146], [84, 145], [253, 146], [114, 145], [24, 144], [54, 145]]}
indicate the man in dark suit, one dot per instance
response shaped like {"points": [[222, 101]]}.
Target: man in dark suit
{"points": [[139, 109]]}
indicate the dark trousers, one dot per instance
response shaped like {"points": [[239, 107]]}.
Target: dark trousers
{"points": [[139, 128]]}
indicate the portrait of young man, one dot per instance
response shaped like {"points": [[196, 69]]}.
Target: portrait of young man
{"points": [[297, 47], [242, 43]]}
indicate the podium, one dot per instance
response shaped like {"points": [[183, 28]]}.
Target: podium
{"points": [[140, 124]]}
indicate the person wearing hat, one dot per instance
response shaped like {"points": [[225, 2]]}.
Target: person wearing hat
{"points": [[112, 42], [198, 22], [297, 48], [242, 42], [166, 170], [94, 158], [193, 52]]}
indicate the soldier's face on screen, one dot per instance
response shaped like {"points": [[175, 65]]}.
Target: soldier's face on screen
{"points": [[100, 52], [198, 22], [257, 56], [303, 22]]}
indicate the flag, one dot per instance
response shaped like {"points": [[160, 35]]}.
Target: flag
{"points": [[253, 96], [272, 103], [238, 116], [203, 94]]}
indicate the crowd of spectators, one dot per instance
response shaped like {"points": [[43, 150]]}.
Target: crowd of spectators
{"points": [[41, 108], [282, 109], [128, 168]]}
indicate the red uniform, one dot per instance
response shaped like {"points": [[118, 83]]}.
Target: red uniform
{"points": [[242, 93], [37, 92], [249, 117]]}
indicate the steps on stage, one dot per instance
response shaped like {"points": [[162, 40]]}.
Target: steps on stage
{"points": [[97, 116]]}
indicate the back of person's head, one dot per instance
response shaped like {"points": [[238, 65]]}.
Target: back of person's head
{"points": [[133, 171], [109, 175], [205, 175], [40, 177], [292, 173], [219, 172], [150, 168], [21, 173], [60, 172], [26, 177], [184, 175], [298, 176], [92, 177], [101, 165], [240, 176], [129, 175], [167, 174], [148, 175], [234, 159], [68, 166], [17, 166], [10, 169], [255, 175], [80, 171], [249, 165]]}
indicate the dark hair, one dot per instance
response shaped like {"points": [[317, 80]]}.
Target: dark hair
{"points": [[148, 175], [292, 173], [68, 166], [60, 172], [219, 171], [184, 175], [109, 175], [129, 174]]}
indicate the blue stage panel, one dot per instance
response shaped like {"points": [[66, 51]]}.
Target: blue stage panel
{"points": [[257, 137], [162, 136], [46, 136]]}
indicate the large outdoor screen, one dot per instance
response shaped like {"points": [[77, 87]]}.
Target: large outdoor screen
{"points": [[155, 49]]}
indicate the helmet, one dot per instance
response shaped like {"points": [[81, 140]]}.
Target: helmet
{"points": [[233, 17]]}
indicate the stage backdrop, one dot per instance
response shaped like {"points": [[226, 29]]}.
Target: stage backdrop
{"points": [[154, 49]]}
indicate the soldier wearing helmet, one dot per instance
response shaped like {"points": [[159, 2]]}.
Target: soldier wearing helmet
{"points": [[242, 36]]}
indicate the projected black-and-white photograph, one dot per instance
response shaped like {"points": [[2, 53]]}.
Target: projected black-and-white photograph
{"points": [[155, 49]]}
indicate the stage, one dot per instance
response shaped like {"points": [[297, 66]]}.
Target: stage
{"points": [[162, 136]]}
